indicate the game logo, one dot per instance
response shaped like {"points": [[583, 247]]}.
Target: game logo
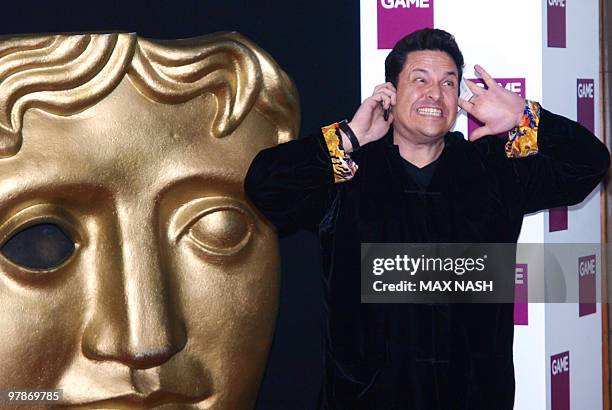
{"points": [[397, 18]]}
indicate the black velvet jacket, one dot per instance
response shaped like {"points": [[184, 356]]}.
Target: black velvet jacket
{"points": [[408, 356]]}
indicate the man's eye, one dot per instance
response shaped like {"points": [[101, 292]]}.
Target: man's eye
{"points": [[222, 232], [42, 246]]}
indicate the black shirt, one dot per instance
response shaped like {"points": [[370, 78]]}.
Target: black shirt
{"points": [[420, 176]]}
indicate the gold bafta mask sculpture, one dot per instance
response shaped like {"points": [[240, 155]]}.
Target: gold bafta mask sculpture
{"points": [[134, 272]]}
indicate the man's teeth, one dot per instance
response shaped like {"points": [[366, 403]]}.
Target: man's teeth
{"points": [[430, 111]]}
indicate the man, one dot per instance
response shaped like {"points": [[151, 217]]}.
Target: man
{"points": [[417, 182]]}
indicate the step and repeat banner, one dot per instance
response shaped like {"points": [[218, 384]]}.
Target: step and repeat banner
{"points": [[548, 51]]}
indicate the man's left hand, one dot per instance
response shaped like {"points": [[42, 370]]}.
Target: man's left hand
{"points": [[500, 110]]}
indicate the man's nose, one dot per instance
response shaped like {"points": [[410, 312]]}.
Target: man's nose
{"points": [[434, 91], [133, 320]]}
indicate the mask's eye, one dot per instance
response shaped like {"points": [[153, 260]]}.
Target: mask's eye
{"points": [[42, 246], [219, 226], [222, 231]]}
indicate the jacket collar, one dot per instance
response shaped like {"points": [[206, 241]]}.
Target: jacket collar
{"points": [[392, 157], [451, 139]]}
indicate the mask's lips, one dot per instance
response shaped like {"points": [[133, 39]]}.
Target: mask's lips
{"points": [[153, 399]]}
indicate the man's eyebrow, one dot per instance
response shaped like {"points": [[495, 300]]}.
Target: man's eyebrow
{"points": [[422, 70]]}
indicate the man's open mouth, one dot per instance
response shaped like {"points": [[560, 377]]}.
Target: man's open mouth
{"points": [[430, 112]]}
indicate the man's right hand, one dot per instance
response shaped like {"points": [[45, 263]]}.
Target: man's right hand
{"points": [[368, 123]]}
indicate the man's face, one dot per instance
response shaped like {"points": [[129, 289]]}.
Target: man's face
{"points": [[426, 96], [169, 292]]}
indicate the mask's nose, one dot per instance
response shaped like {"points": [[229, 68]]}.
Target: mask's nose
{"points": [[133, 319]]}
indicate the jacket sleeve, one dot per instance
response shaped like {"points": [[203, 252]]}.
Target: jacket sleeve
{"points": [[292, 183], [569, 164]]}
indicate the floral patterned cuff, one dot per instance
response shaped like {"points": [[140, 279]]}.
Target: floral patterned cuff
{"points": [[343, 166], [523, 139]]}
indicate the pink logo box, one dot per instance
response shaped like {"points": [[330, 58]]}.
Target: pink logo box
{"points": [[587, 275], [397, 18], [521, 292], [556, 23], [557, 219], [585, 97], [560, 381]]}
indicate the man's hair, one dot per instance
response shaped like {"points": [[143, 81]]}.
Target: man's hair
{"points": [[425, 39], [65, 74]]}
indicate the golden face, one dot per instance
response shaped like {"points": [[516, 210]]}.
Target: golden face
{"points": [[169, 295]]}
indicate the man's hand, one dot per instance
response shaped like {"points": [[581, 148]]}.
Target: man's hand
{"points": [[368, 123], [499, 109]]}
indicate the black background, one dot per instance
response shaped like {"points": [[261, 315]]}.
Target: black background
{"points": [[317, 44]]}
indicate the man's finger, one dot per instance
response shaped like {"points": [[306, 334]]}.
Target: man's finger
{"points": [[466, 105], [385, 86], [384, 100], [476, 89], [374, 102], [389, 85], [479, 133], [486, 77], [378, 97], [389, 93]]}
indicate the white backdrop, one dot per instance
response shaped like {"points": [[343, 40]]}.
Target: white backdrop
{"points": [[510, 39]]}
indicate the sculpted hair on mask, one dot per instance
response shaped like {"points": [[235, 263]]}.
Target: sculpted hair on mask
{"points": [[63, 74]]}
